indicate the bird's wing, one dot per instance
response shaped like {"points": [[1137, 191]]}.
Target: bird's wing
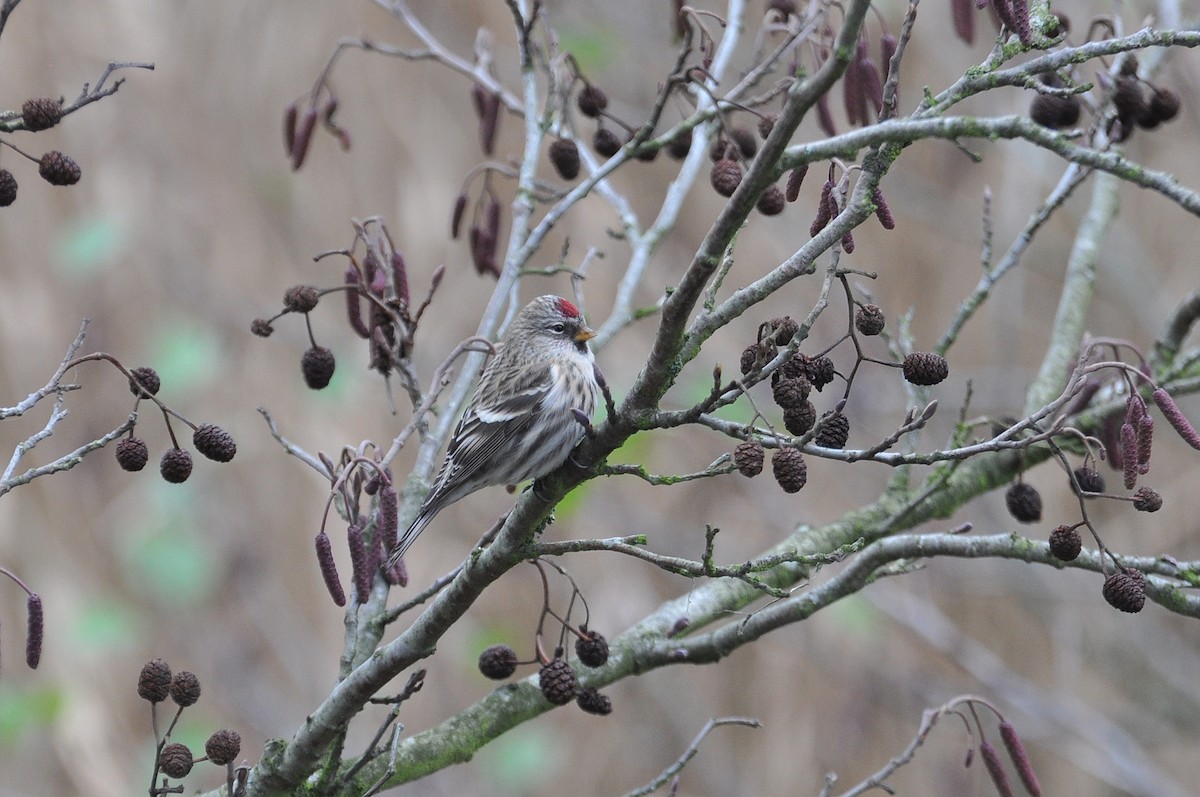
{"points": [[488, 427]]}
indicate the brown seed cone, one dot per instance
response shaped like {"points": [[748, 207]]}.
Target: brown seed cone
{"points": [[798, 420], [725, 177], [1054, 112], [834, 433], [175, 760], [869, 319], [145, 382], [1024, 503], [498, 662], [820, 370], [154, 681], [557, 682], [784, 329], [58, 169], [925, 368], [746, 143], [591, 701], [771, 203], [317, 365], [8, 188], [592, 649], [680, 145], [223, 746], [1128, 98], [789, 469], [1065, 543], [591, 101], [185, 688], [41, 113], [1147, 499], [767, 124], [132, 454], [748, 457], [175, 465], [606, 142], [1089, 480], [791, 392], [1162, 107], [748, 359], [301, 298], [261, 327], [564, 155], [1126, 590], [214, 442]]}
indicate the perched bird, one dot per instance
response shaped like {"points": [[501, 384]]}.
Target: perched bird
{"points": [[524, 418]]}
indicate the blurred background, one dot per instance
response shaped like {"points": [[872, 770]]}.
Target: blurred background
{"points": [[188, 224]]}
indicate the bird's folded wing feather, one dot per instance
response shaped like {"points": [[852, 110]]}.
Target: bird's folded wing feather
{"points": [[486, 428]]}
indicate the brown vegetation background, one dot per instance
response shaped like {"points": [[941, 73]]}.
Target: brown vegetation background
{"points": [[188, 223]]}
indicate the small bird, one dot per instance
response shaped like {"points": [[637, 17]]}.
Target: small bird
{"points": [[524, 417]]}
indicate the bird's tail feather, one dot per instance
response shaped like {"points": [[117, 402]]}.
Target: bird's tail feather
{"points": [[410, 536]]}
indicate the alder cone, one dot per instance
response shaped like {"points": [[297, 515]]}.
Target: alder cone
{"points": [[564, 155], [1024, 503], [925, 368], [748, 457], [1065, 543], [557, 682], [789, 469], [1126, 590], [725, 177]]}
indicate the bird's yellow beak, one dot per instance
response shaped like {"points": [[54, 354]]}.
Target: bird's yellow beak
{"points": [[584, 334]]}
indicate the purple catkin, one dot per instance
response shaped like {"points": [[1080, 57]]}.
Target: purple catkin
{"points": [[1020, 13], [1176, 418], [303, 137], [1145, 437], [289, 128], [872, 81], [824, 116], [964, 19], [387, 524], [492, 218], [823, 211], [354, 303], [1135, 408], [995, 768], [882, 211], [329, 569], [1083, 396], [460, 208], [358, 561], [35, 627], [1004, 11], [1020, 759], [1129, 459], [400, 278], [794, 181], [489, 119], [854, 93], [887, 49]]}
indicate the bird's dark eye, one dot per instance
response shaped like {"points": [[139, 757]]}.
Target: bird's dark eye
{"points": [[558, 328]]}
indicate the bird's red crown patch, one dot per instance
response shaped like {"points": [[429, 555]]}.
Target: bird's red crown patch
{"points": [[568, 309]]}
